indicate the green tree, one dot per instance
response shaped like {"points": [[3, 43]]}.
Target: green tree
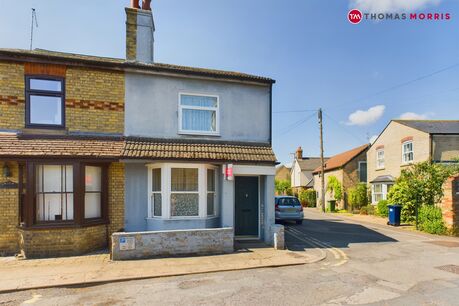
{"points": [[283, 187], [307, 197], [358, 196], [335, 188]]}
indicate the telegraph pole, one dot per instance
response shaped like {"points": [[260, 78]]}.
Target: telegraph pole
{"points": [[322, 163]]}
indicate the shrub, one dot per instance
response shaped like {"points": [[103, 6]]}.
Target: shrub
{"points": [[420, 184], [431, 220], [367, 210], [283, 187], [307, 197], [335, 188], [358, 196], [382, 208]]}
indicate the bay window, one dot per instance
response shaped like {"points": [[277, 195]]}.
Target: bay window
{"points": [[69, 193], [198, 114], [379, 192], [182, 191], [54, 193]]}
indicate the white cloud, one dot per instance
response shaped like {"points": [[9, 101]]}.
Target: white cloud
{"points": [[414, 116], [386, 6], [373, 139], [365, 117]]}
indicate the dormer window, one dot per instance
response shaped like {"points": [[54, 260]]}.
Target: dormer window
{"points": [[407, 152], [45, 102], [198, 114]]}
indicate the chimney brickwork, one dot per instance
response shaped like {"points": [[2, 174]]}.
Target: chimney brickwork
{"points": [[140, 30]]}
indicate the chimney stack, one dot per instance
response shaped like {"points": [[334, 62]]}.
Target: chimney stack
{"points": [[140, 30], [299, 153]]}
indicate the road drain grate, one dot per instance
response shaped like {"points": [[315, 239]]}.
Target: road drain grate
{"points": [[448, 244], [450, 268]]}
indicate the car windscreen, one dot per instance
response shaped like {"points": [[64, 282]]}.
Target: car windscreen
{"points": [[289, 202]]}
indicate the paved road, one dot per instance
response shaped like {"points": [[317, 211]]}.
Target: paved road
{"points": [[364, 264]]}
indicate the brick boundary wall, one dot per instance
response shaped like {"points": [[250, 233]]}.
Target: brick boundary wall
{"points": [[450, 204], [9, 212], [175, 242]]}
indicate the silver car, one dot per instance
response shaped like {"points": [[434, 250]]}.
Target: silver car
{"points": [[288, 209]]}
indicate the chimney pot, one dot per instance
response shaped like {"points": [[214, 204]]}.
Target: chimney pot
{"points": [[135, 4], [299, 153], [146, 5]]}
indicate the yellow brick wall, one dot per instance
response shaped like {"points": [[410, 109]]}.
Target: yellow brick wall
{"points": [[9, 213], [12, 96], [36, 243], [131, 34], [445, 147], [90, 90], [94, 99], [391, 139], [116, 197]]}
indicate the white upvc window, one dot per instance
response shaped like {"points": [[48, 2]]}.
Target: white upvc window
{"points": [[407, 152], [198, 114], [379, 192], [380, 159], [182, 191]]}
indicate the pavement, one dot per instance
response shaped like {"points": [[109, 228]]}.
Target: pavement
{"points": [[366, 263], [98, 268]]}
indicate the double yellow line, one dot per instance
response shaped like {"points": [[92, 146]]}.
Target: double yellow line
{"points": [[338, 254]]}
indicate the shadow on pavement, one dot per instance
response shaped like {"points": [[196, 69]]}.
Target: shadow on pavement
{"points": [[334, 232]]}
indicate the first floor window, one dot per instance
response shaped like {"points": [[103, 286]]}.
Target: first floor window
{"points": [[407, 152], [93, 192], [198, 114], [54, 192], [362, 172], [44, 102], [380, 159]]}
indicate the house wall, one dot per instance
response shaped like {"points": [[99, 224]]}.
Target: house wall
{"points": [[351, 175], [450, 204], [94, 98], [339, 174], [9, 213], [283, 173], [299, 178], [152, 108], [391, 140], [445, 147]]}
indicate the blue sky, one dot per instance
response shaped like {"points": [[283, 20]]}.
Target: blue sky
{"points": [[316, 56]]}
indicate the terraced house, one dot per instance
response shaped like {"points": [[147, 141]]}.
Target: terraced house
{"points": [[90, 146]]}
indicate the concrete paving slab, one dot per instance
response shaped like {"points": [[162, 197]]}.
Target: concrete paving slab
{"points": [[18, 275]]}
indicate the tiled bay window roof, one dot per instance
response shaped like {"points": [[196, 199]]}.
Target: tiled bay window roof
{"points": [[217, 151], [13, 145], [28, 146]]}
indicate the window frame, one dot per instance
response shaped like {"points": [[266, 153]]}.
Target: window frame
{"points": [[378, 160], [28, 219], [384, 191], [166, 190], [360, 171], [404, 162], [206, 108], [46, 93]]}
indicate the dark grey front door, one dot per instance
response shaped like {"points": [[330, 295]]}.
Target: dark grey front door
{"points": [[246, 206]]}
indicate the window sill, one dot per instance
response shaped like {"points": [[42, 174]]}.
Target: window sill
{"points": [[35, 130], [62, 225], [378, 169], [406, 164], [182, 218], [199, 133]]}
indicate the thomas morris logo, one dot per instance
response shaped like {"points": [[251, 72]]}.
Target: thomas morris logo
{"points": [[355, 16]]}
